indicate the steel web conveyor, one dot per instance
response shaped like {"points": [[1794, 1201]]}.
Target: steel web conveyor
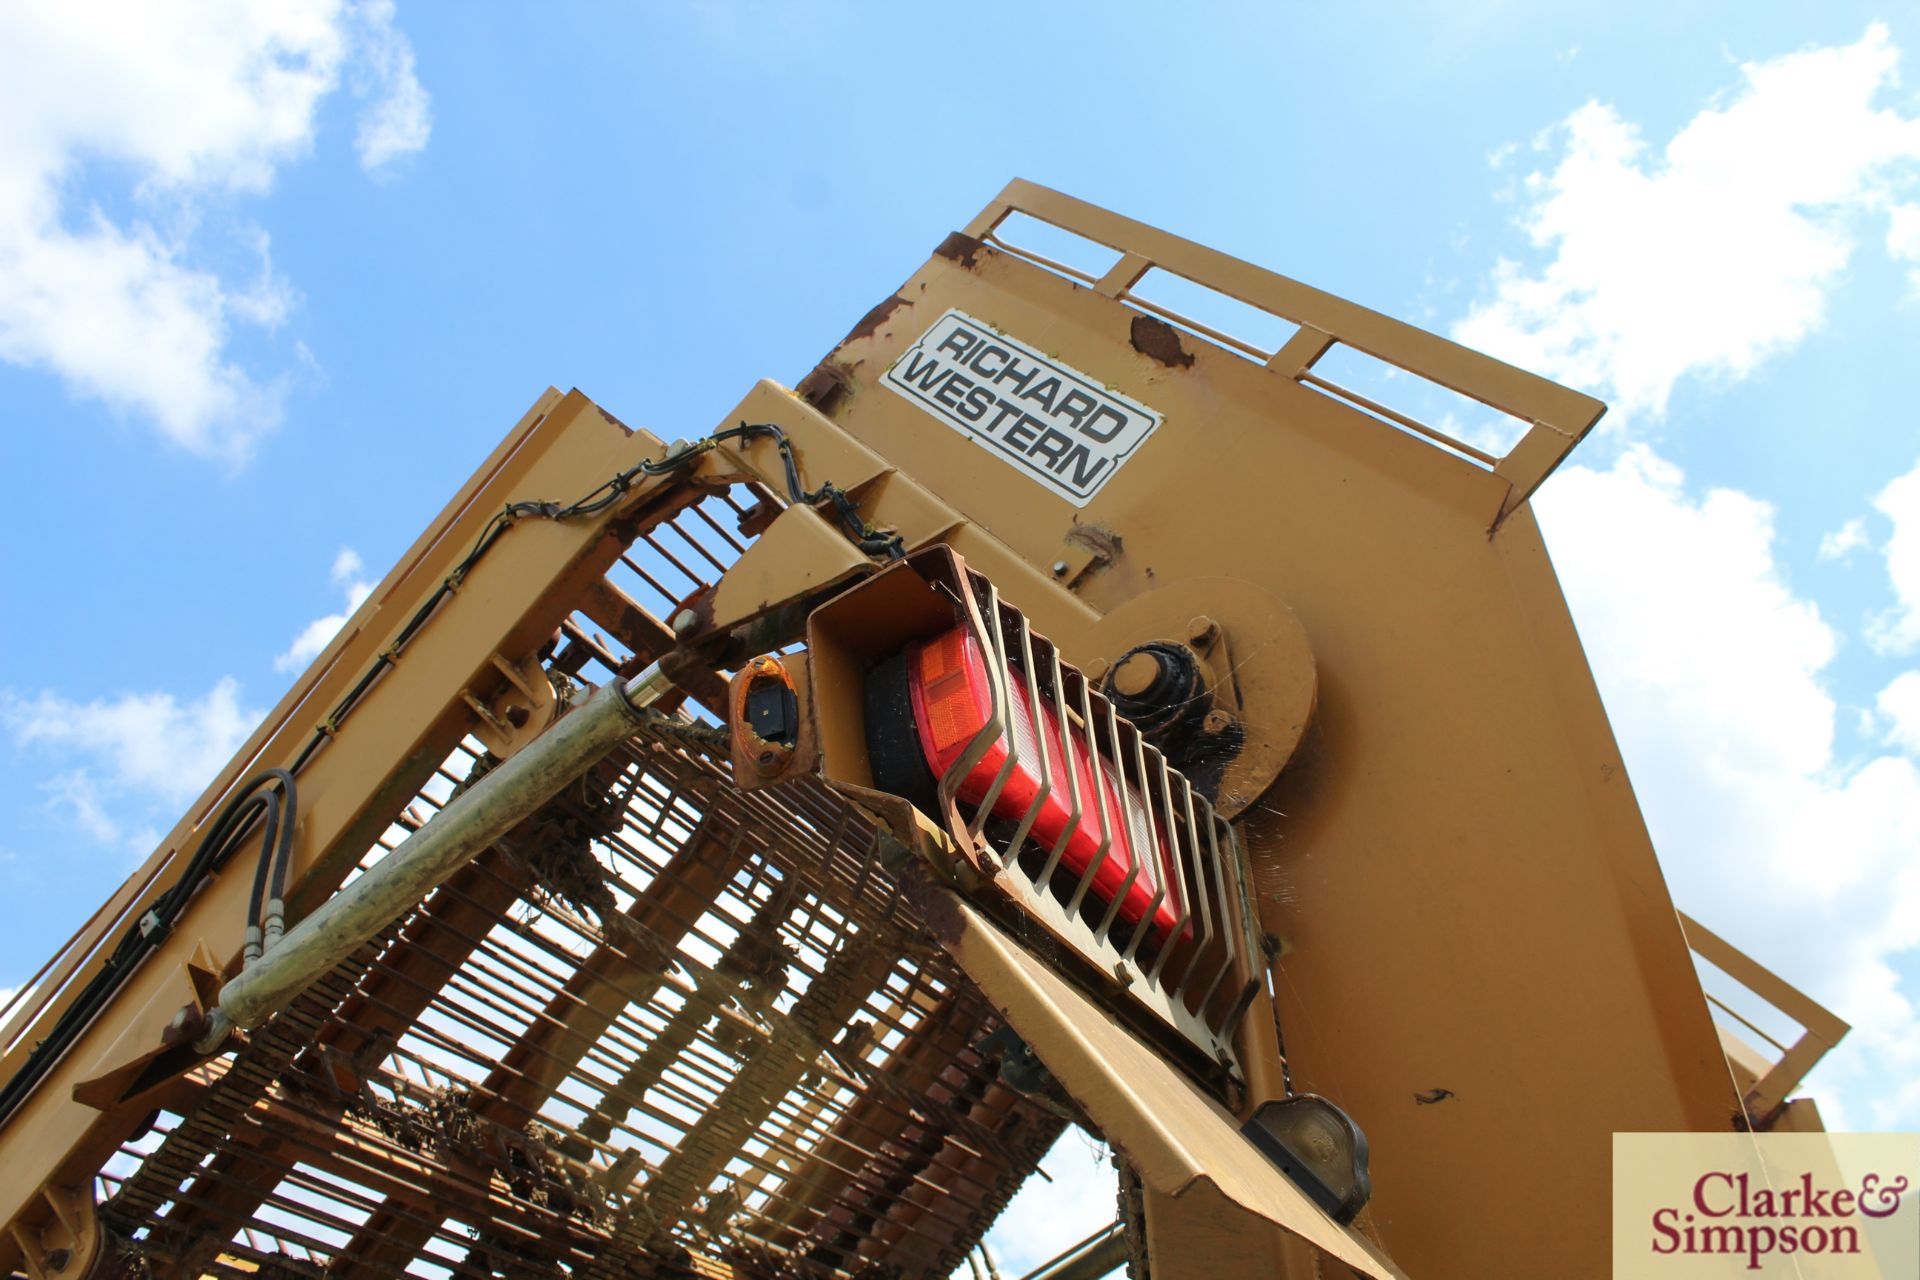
{"points": [[597, 1049]]}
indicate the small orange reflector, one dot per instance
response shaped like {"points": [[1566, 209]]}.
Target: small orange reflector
{"points": [[764, 715]]}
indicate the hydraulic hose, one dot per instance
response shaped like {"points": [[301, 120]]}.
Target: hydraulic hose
{"points": [[227, 834], [501, 800]]}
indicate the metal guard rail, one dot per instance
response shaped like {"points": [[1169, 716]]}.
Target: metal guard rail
{"points": [[1555, 418], [1820, 1030]]}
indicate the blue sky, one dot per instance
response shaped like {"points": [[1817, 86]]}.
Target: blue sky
{"points": [[272, 284]]}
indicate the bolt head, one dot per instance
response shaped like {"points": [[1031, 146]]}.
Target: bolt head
{"points": [[1202, 631], [1060, 568], [1217, 721]]}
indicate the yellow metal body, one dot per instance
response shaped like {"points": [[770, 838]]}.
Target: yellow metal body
{"points": [[1466, 940]]}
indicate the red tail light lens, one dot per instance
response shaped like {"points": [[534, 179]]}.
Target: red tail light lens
{"points": [[951, 694]]}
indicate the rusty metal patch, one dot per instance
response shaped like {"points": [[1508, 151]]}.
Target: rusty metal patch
{"points": [[961, 248], [1161, 341]]}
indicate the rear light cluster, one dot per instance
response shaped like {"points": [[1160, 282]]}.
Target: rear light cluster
{"points": [[1091, 844], [1077, 804]]}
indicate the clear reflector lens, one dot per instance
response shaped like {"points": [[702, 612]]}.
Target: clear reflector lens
{"points": [[1319, 1147]]}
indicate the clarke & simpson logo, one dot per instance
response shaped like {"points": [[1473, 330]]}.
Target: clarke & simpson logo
{"points": [[1727, 1215], [1808, 1205]]}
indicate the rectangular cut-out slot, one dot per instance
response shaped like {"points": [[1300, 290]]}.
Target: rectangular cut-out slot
{"points": [[1748, 1016], [1414, 404], [1772, 1033], [1055, 248], [1242, 328]]}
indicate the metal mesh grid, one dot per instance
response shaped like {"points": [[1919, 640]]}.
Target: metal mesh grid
{"points": [[662, 1016], [665, 1023]]}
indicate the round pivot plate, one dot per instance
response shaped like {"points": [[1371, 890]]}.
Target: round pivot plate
{"points": [[1259, 667]]}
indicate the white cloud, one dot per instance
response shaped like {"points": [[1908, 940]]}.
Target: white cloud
{"points": [[1702, 257], [345, 574], [1845, 540], [1713, 254], [1711, 668], [78, 794], [127, 764], [152, 743], [1044, 1219], [1898, 630], [1903, 238], [397, 120], [1899, 705], [189, 103]]}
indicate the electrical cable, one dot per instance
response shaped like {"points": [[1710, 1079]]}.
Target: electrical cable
{"points": [[872, 541], [228, 834]]}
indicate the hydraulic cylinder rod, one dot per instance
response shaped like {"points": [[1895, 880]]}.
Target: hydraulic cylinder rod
{"points": [[496, 804], [1098, 1255]]}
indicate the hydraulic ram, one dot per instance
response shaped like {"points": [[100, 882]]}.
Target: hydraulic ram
{"points": [[496, 804]]}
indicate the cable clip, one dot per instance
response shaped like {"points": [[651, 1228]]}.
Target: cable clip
{"points": [[152, 926], [681, 451]]}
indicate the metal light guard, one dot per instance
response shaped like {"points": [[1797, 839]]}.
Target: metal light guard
{"points": [[1202, 847]]}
